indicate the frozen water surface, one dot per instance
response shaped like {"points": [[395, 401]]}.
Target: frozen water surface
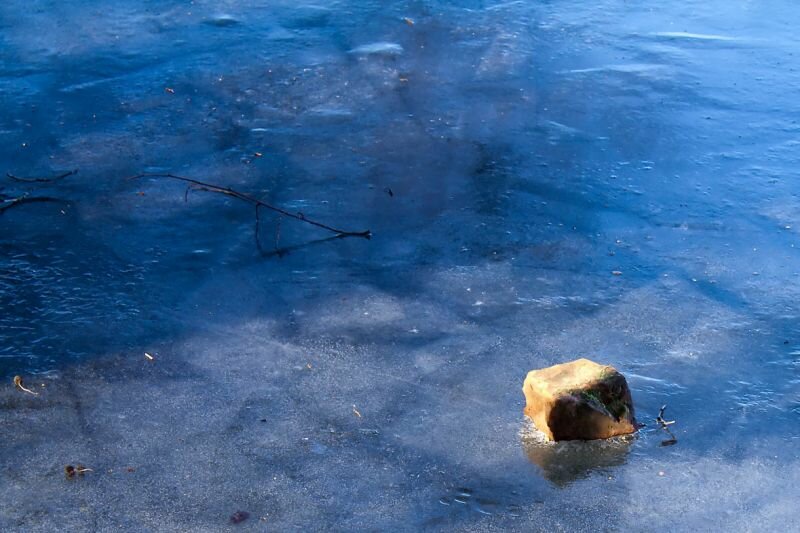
{"points": [[509, 157]]}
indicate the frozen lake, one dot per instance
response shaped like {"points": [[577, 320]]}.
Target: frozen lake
{"points": [[543, 181]]}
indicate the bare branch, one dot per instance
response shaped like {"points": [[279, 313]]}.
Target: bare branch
{"points": [[8, 203], [202, 186], [665, 426], [660, 418], [42, 180]]}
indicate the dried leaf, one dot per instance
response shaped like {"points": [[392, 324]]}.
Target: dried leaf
{"points": [[20, 386]]}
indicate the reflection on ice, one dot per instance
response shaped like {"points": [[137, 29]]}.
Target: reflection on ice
{"points": [[696, 36], [565, 462], [222, 21], [378, 49], [628, 68]]}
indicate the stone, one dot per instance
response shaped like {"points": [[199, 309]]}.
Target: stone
{"points": [[579, 400]]}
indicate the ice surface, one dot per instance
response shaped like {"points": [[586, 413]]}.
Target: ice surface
{"points": [[509, 158], [378, 49]]}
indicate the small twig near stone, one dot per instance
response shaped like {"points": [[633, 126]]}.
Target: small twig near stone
{"points": [[660, 417], [209, 187], [665, 426], [20, 386], [42, 180]]}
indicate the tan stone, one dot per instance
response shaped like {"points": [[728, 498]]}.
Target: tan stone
{"points": [[579, 400]]}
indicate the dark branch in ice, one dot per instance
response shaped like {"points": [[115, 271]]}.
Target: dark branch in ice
{"points": [[7, 203], [40, 179], [258, 226], [278, 234], [209, 187]]}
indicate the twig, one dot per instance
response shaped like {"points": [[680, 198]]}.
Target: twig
{"points": [[660, 417], [8, 203], [202, 186], [665, 426], [42, 180]]}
